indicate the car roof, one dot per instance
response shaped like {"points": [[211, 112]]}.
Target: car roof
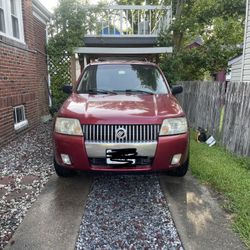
{"points": [[115, 62]]}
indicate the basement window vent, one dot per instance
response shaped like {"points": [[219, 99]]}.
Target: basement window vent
{"points": [[19, 117]]}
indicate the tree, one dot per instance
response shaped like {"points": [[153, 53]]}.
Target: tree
{"points": [[70, 22], [220, 24]]}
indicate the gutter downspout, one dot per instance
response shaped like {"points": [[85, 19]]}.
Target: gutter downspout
{"points": [[49, 80]]}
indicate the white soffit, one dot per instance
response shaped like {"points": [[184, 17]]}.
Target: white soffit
{"points": [[40, 12]]}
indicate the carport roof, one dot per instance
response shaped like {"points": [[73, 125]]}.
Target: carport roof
{"points": [[123, 51]]}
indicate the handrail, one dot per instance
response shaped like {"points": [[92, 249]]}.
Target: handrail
{"points": [[130, 20]]}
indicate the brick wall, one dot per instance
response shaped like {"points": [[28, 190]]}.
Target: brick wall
{"points": [[23, 75]]}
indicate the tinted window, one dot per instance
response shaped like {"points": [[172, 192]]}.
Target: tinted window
{"points": [[121, 78]]}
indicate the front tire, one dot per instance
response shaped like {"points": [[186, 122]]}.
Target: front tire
{"points": [[61, 171], [181, 170]]}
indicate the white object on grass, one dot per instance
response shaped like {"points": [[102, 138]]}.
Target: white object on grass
{"points": [[210, 141]]}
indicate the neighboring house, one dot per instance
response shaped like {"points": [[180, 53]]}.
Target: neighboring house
{"points": [[245, 73], [110, 31], [234, 66], [24, 92], [217, 76], [198, 42], [240, 66]]}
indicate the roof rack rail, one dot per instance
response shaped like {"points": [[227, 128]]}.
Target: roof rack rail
{"points": [[118, 58]]}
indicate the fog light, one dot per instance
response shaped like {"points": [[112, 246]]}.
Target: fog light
{"points": [[65, 159], [176, 159]]}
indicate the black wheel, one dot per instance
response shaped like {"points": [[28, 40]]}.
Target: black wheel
{"points": [[61, 171], [182, 170]]}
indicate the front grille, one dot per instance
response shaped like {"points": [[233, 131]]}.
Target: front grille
{"points": [[109, 133]]}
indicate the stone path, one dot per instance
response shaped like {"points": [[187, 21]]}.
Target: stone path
{"points": [[127, 212]]}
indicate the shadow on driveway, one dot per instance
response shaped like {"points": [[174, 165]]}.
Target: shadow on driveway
{"points": [[200, 221]]}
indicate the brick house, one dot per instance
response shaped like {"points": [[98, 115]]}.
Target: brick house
{"points": [[24, 90]]}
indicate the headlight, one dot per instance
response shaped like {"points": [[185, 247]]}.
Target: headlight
{"points": [[174, 126], [68, 126]]}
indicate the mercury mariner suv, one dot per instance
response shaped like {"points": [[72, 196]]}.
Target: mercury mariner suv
{"points": [[122, 116]]}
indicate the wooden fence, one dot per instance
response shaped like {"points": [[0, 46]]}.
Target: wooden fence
{"points": [[223, 109], [236, 124]]}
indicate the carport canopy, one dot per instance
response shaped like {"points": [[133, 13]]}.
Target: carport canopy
{"points": [[91, 53]]}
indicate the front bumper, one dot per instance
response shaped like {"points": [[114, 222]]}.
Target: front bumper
{"points": [[161, 153]]}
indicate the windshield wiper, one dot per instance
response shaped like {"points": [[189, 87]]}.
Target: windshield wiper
{"points": [[139, 90], [101, 91]]}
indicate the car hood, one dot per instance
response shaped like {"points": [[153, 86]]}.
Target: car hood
{"points": [[121, 108]]}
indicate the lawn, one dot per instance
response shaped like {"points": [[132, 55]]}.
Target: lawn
{"points": [[229, 175]]}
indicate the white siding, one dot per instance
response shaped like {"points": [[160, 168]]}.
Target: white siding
{"points": [[246, 51], [236, 71]]}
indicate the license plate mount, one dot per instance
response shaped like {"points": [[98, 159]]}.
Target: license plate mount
{"points": [[126, 156]]}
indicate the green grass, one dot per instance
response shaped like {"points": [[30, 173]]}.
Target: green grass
{"points": [[229, 175]]}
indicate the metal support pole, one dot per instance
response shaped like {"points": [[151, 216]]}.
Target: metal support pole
{"points": [[85, 61], [73, 70]]}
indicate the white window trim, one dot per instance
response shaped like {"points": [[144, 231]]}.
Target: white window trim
{"points": [[23, 123], [8, 22], [20, 125]]}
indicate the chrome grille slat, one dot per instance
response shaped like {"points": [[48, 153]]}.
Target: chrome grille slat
{"points": [[147, 133], [144, 132], [136, 133], [107, 132], [151, 132], [130, 134], [133, 133], [141, 133]]}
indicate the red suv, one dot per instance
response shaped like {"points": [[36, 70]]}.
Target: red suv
{"points": [[122, 116]]}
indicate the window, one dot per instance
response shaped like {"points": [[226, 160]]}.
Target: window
{"points": [[11, 24], [2, 21], [19, 117], [14, 18]]}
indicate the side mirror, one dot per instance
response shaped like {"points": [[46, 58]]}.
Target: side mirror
{"points": [[67, 89], [176, 89]]}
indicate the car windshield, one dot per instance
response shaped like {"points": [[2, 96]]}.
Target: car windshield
{"points": [[115, 78]]}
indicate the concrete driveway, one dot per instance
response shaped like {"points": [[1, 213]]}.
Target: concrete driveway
{"points": [[54, 220], [200, 221]]}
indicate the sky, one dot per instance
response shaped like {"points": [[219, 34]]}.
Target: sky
{"points": [[50, 4]]}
